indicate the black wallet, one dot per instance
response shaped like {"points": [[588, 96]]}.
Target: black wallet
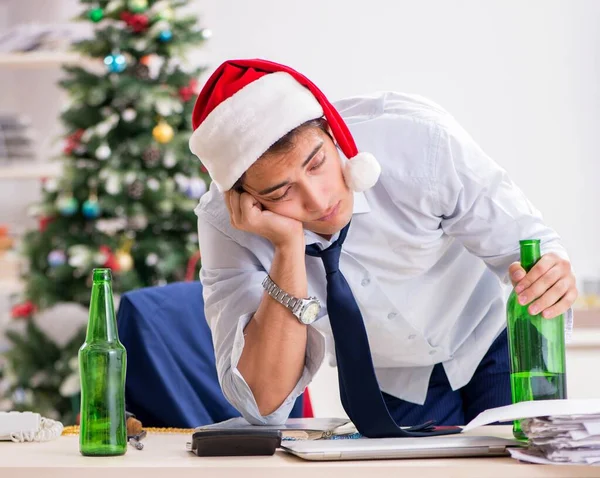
{"points": [[217, 442]]}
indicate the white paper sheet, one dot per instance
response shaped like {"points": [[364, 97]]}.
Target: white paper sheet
{"points": [[541, 408]]}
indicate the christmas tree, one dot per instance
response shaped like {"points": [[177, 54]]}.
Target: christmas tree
{"points": [[129, 185]]}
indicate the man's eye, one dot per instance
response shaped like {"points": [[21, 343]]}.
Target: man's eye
{"points": [[282, 196], [318, 165]]}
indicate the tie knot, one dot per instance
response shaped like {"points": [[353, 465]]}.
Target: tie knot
{"points": [[331, 258], [331, 255]]}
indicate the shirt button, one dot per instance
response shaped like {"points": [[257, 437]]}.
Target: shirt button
{"points": [[432, 352], [365, 282], [412, 337], [391, 315]]}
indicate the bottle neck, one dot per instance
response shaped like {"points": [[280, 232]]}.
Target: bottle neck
{"points": [[102, 324], [530, 253]]}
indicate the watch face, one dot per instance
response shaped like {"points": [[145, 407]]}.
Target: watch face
{"points": [[310, 313]]}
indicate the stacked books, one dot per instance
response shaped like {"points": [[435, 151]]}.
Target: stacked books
{"points": [[16, 138], [30, 37]]}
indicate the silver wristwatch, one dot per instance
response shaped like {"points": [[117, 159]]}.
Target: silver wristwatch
{"points": [[306, 310]]}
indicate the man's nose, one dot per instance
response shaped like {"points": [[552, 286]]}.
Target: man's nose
{"points": [[315, 200]]}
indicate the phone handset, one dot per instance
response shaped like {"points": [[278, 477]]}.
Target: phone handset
{"points": [[28, 426]]}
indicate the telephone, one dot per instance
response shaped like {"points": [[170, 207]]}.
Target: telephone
{"points": [[28, 426]]}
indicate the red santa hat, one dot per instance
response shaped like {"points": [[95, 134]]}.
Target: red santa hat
{"points": [[248, 105]]}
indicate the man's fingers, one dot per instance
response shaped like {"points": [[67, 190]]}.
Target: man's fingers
{"points": [[550, 297], [234, 208], [247, 207], [227, 199], [516, 272], [539, 269], [561, 306], [540, 286]]}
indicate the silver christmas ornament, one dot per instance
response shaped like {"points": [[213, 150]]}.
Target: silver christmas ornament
{"points": [[103, 152]]}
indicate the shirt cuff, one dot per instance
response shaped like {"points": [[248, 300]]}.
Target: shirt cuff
{"points": [[240, 393]]}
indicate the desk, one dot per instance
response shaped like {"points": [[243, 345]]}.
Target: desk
{"points": [[164, 455]]}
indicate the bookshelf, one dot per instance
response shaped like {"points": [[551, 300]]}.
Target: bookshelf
{"points": [[29, 171], [37, 59]]}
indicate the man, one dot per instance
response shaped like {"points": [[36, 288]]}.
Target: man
{"points": [[392, 262]]}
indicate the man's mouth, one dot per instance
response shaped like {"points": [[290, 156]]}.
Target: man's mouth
{"points": [[330, 213]]}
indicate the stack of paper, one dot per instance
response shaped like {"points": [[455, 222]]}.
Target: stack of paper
{"points": [[562, 439], [558, 431]]}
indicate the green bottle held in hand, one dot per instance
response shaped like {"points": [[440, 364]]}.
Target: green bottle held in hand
{"points": [[102, 366], [536, 347]]}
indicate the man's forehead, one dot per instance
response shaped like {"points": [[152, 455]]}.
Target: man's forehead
{"points": [[277, 166]]}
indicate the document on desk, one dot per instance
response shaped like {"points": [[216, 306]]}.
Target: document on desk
{"points": [[558, 431], [533, 409]]}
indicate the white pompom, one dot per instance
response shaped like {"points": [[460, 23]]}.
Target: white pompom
{"points": [[362, 172]]}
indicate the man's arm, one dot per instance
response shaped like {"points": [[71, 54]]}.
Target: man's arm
{"points": [[265, 357], [275, 341]]}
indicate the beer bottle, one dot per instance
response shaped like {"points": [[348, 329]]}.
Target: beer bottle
{"points": [[102, 366], [536, 347]]}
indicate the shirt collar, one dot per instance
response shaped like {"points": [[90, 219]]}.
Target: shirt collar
{"points": [[361, 205]]}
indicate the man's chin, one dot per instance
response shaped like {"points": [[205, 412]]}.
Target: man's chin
{"points": [[325, 228]]}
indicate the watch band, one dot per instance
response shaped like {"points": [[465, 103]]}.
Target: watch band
{"points": [[280, 295]]}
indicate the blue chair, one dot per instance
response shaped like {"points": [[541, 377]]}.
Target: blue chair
{"points": [[171, 374]]}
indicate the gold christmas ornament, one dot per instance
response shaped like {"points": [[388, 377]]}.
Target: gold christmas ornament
{"points": [[162, 132], [124, 260]]}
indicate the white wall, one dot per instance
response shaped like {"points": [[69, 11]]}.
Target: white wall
{"points": [[522, 77]]}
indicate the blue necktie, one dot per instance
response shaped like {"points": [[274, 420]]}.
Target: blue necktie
{"points": [[359, 390]]}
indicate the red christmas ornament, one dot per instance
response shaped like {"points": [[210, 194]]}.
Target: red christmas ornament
{"points": [[111, 261], [137, 22], [203, 169], [72, 141], [186, 93], [146, 60], [23, 311], [125, 16], [44, 221]]}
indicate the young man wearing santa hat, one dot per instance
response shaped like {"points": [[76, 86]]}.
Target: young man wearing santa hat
{"points": [[392, 261]]}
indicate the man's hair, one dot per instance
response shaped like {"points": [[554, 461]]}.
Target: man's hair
{"points": [[285, 144]]}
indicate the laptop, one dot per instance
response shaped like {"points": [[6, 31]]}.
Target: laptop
{"points": [[391, 448]]}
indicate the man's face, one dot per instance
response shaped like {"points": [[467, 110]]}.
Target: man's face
{"points": [[305, 183]]}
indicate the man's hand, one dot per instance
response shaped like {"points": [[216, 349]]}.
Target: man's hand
{"points": [[247, 214], [550, 285]]}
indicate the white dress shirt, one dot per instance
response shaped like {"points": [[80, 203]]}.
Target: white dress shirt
{"points": [[426, 256]]}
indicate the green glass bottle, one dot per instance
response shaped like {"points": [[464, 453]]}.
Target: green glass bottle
{"points": [[102, 366], [536, 347]]}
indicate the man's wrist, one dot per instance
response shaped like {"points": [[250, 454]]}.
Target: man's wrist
{"points": [[291, 246]]}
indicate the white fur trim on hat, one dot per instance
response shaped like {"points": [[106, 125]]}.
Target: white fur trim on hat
{"points": [[240, 129], [361, 172]]}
